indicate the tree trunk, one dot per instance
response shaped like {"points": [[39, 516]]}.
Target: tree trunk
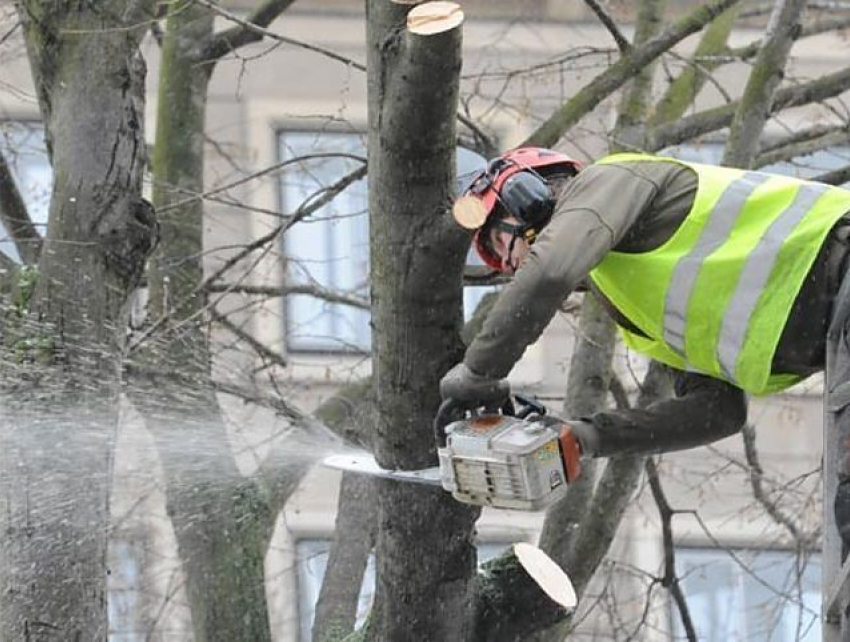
{"points": [[63, 337], [425, 553], [336, 608], [223, 521]]}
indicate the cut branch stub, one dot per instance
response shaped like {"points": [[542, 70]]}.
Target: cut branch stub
{"points": [[469, 212], [434, 17]]}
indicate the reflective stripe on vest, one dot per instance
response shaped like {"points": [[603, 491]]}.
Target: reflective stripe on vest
{"points": [[715, 297]]}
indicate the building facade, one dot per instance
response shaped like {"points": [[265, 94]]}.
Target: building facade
{"points": [[744, 573]]}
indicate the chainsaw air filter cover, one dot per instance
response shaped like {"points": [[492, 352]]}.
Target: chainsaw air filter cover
{"points": [[502, 461]]}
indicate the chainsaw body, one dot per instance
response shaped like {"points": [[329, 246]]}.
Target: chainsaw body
{"points": [[503, 460]]}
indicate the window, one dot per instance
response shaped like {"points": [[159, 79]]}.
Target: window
{"points": [[312, 560], [124, 604], [748, 594], [23, 148], [330, 249]]}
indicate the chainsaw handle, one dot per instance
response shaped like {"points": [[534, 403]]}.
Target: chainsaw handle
{"points": [[453, 410], [527, 406], [450, 410]]}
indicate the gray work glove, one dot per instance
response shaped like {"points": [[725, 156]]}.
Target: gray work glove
{"points": [[471, 389]]}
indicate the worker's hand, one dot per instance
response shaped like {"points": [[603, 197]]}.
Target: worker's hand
{"points": [[471, 389]]}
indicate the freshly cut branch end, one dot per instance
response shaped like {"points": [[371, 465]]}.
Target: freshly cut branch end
{"points": [[549, 576], [469, 212], [434, 17]]}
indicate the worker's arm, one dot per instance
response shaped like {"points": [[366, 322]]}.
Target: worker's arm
{"points": [[593, 213], [703, 410]]}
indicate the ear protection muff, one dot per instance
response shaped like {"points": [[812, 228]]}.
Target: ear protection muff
{"points": [[526, 196]]}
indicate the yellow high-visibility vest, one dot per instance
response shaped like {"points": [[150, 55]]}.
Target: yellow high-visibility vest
{"points": [[715, 297]]}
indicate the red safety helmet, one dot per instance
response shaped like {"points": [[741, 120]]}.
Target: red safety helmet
{"points": [[516, 182]]}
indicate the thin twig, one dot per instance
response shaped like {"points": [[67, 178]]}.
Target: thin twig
{"points": [[240, 34], [258, 347], [314, 290], [275, 36], [670, 580], [748, 432], [305, 210], [264, 172], [622, 42]]}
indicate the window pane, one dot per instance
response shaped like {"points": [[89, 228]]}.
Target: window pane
{"points": [[23, 148], [755, 595], [330, 248]]}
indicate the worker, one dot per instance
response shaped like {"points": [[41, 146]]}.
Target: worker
{"points": [[733, 278]]}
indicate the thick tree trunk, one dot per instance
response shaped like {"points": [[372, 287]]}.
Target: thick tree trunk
{"points": [[223, 521], [62, 340], [425, 551]]}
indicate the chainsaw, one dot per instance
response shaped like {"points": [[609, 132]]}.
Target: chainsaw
{"points": [[514, 457]]}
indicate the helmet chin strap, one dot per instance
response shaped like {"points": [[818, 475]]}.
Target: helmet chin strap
{"points": [[516, 231], [509, 261]]}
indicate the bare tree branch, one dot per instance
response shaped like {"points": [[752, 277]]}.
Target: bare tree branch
{"points": [[670, 580], [622, 42], [261, 32], [349, 178], [283, 408], [621, 72], [241, 33], [836, 176], [709, 120], [314, 290], [684, 89], [815, 28], [258, 347], [805, 142], [748, 432], [755, 105], [307, 208]]}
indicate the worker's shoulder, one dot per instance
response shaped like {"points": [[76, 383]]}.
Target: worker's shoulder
{"points": [[618, 173], [643, 166]]}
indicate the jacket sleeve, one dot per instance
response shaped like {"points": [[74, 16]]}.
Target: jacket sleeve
{"points": [[703, 411], [593, 213]]}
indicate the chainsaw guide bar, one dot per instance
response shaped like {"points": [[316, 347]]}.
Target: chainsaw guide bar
{"points": [[365, 464]]}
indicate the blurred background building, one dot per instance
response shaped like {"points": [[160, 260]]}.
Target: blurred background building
{"points": [[744, 574]]}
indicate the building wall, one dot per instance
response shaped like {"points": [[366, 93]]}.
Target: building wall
{"points": [[270, 88]]}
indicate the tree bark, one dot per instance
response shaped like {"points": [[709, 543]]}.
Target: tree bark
{"points": [[63, 337], [336, 608], [682, 92], [425, 553], [756, 104]]}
